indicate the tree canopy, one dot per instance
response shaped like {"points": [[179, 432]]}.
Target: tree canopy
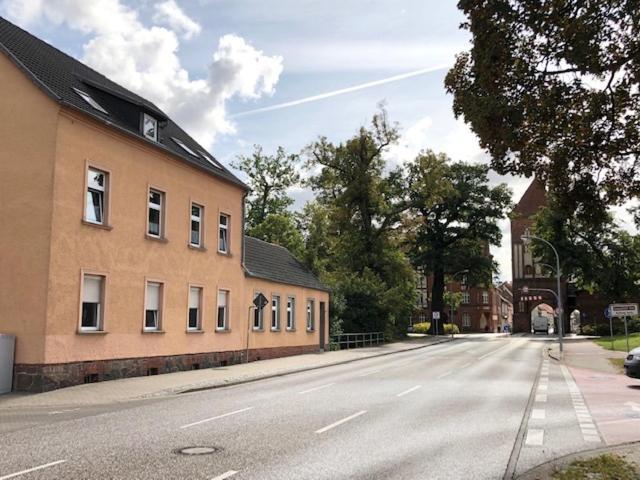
{"points": [[551, 88]]}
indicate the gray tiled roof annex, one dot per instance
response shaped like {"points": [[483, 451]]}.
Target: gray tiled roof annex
{"points": [[57, 74], [272, 262]]}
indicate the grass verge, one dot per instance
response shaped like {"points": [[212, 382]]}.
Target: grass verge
{"points": [[619, 342], [604, 467]]}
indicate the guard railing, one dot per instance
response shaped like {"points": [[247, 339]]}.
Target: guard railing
{"points": [[356, 340]]}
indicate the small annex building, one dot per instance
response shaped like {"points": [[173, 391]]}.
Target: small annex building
{"points": [[122, 251]]}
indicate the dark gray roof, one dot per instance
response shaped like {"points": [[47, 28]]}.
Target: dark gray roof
{"points": [[58, 74], [273, 262]]}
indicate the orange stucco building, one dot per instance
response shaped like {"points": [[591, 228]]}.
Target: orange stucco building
{"points": [[122, 250]]}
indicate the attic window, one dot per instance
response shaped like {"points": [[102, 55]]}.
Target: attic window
{"points": [[184, 147], [210, 159], [150, 127], [87, 98]]}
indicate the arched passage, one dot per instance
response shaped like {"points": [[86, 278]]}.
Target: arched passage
{"points": [[542, 312]]}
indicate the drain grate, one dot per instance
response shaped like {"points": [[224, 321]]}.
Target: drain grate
{"points": [[197, 450]]}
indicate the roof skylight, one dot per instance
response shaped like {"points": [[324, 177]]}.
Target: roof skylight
{"points": [[210, 159], [181, 144], [87, 98]]}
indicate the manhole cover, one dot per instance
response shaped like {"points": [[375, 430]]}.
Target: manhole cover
{"points": [[197, 450]]}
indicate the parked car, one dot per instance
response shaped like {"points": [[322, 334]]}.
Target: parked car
{"points": [[632, 363]]}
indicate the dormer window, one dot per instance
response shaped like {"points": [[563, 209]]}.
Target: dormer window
{"points": [[181, 144], [89, 99], [150, 127], [210, 159]]}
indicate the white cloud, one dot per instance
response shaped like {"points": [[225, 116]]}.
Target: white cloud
{"points": [[145, 60], [169, 13], [411, 142]]}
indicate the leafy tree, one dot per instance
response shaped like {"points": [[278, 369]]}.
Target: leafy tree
{"points": [[551, 88], [453, 231], [452, 300], [281, 230], [270, 176], [351, 241], [601, 257]]}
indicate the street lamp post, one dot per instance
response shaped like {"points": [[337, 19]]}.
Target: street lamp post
{"points": [[526, 239], [466, 270]]}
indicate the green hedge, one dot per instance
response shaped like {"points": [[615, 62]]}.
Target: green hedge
{"points": [[423, 327]]}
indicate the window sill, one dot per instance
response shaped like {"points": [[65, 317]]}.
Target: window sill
{"points": [[156, 239], [92, 332], [195, 331], [311, 330], [153, 331], [276, 330], [258, 330], [291, 329], [225, 254], [223, 330], [195, 247], [101, 226]]}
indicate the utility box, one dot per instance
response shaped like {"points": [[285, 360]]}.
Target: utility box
{"points": [[7, 348]]}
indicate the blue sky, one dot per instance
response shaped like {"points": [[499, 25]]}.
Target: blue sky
{"points": [[301, 48]]}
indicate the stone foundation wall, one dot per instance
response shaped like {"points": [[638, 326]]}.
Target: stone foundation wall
{"points": [[43, 378]]}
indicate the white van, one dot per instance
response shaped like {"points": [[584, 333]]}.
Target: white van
{"points": [[540, 324]]}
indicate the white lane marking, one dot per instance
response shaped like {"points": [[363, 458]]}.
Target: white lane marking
{"points": [[56, 412], [316, 388], [214, 418], [535, 437], [588, 428], [542, 388], [340, 422], [538, 414], [541, 397], [370, 373], [445, 374], [228, 474], [29, 470], [412, 389], [492, 352], [465, 365]]}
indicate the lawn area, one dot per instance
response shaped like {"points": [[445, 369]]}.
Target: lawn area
{"points": [[619, 342], [605, 467]]}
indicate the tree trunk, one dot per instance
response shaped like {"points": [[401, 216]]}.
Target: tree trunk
{"points": [[437, 300]]}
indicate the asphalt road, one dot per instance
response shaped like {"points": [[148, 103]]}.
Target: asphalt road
{"points": [[464, 409]]}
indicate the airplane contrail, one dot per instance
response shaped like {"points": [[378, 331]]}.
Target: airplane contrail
{"points": [[341, 91]]}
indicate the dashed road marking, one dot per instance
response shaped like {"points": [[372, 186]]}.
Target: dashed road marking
{"points": [[587, 427], [225, 475], [444, 374], [370, 372], [29, 470], [535, 437], [538, 414], [541, 397], [340, 422], [316, 388], [214, 418], [412, 389]]}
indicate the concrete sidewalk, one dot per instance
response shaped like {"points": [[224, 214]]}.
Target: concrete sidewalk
{"points": [[172, 383]]}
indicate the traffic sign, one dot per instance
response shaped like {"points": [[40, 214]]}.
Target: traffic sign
{"points": [[623, 309], [435, 315], [260, 301], [607, 313]]}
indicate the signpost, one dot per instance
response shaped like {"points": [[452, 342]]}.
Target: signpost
{"points": [[624, 310], [258, 303], [436, 317], [607, 314]]}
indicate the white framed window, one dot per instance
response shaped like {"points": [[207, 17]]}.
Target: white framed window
{"points": [[183, 146], [196, 225], [195, 309], [92, 302], [311, 315], [223, 310], [466, 320], [258, 318], [291, 313], [155, 218], [485, 297], [466, 297], [149, 127], [275, 312], [97, 189], [223, 236], [153, 306]]}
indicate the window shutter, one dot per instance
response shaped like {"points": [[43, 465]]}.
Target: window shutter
{"points": [[194, 297], [153, 296], [92, 289]]}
